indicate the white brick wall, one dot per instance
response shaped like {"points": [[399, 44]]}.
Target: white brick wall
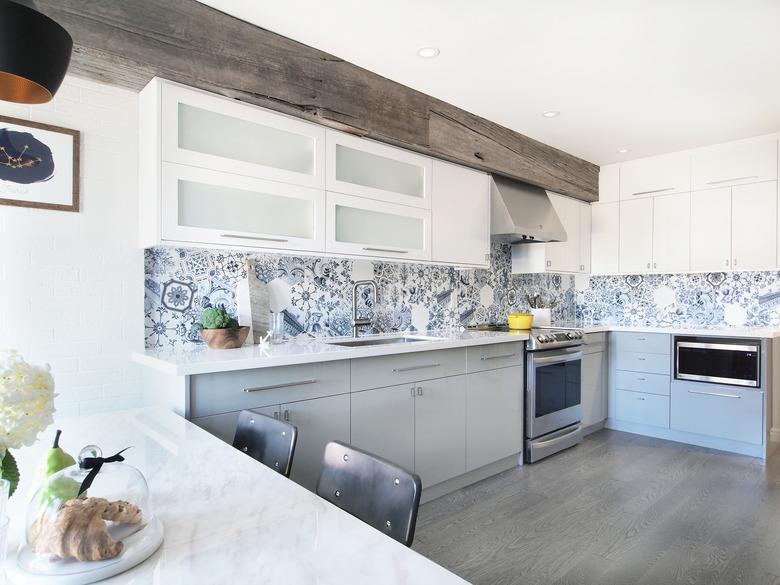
{"points": [[71, 284]]}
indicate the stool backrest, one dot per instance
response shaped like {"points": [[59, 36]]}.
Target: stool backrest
{"points": [[269, 440], [373, 489]]}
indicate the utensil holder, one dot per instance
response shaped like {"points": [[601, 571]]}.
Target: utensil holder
{"points": [[542, 317]]}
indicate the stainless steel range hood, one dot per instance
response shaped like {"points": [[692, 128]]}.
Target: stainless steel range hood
{"points": [[522, 214]]}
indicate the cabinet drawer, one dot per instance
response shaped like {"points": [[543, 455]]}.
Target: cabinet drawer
{"points": [[229, 391], [641, 408], [492, 357], [650, 363], [641, 342], [641, 382], [390, 370], [718, 411]]}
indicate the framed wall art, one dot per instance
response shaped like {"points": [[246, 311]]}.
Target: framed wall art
{"points": [[39, 165]]}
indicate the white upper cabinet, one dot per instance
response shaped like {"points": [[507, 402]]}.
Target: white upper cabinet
{"points": [[585, 227], [671, 233], [573, 255], [609, 183], [202, 206], [754, 226], [207, 131], [636, 235], [605, 237], [362, 227], [746, 161], [461, 215], [658, 175], [365, 168], [711, 230]]}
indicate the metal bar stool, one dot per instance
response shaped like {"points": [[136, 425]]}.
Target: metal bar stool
{"points": [[372, 489], [266, 439]]}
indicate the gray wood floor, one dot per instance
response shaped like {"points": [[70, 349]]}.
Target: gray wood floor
{"points": [[617, 509]]}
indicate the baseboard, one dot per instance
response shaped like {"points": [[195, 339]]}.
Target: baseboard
{"points": [[592, 428], [749, 449], [461, 481]]}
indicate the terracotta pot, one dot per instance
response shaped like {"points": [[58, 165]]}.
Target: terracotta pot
{"points": [[224, 338]]}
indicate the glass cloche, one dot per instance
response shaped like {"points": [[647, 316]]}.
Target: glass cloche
{"points": [[92, 518]]}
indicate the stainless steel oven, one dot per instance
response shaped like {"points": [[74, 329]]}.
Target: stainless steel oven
{"points": [[553, 402], [718, 360]]}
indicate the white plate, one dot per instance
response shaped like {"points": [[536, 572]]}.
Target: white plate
{"points": [[34, 568]]}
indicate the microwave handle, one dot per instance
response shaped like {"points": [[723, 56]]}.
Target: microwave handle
{"points": [[718, 346]]}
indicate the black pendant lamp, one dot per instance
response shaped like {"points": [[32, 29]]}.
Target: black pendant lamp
{"points": [[34, 53]]}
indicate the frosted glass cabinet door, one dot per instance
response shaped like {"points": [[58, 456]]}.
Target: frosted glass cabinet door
{"points": [[209, 131], [362, 167], [362, 227], [208, 207]]}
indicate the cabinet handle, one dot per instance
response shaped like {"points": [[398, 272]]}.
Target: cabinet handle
{"points": [[648, 264], [410, 368], [727, 261], [419, 391], [718, 182], [264, 239], [642, 379], [641, 359], [640, 398], [655, 265], [641, 338], [485, 358], [549, 263], [286, 416], [276, 414], [653, 191], [284, 385], [734, 262], [386, 250], [582, 268], [714, 394], [412, 391]]}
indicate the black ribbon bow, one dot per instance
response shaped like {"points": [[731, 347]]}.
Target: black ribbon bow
{"points": [[94, 464]]}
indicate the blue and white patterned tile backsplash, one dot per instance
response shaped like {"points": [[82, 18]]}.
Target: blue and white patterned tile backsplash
{"points": [[715, 299], [317, 292]]}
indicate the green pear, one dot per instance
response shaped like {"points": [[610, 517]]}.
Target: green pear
{"points": [[61, 489]]}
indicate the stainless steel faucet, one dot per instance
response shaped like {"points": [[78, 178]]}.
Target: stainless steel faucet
{"points": [[357, 323]]}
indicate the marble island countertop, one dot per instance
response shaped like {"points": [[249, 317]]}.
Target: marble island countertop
{"points": [[200, 360], [757, 332], [227, 518]]}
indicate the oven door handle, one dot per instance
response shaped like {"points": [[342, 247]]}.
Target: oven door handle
{"points": [[539, 360]]}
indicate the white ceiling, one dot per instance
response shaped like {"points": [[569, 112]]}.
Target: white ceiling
{"points": [[649, 75]]}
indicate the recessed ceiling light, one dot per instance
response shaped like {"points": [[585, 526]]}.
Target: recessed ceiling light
{"points": [[624, 150], [428, 52], [551, 114]]}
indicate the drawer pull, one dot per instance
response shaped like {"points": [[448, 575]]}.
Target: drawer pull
{"points": [[485, 358], [653, 191], [283, 385], [390, 250], [411, 368], [642, 359], [718, 182], [642, 379], [714, 394], [641, 338], [640, 398], [261, 238]]}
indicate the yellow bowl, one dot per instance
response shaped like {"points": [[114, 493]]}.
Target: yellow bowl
{"points": [[520, 320]]}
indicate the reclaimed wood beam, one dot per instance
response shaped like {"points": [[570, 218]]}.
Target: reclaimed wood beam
{"points": [[127, 42]]}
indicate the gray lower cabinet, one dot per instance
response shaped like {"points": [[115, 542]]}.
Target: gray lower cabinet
{"points": [[594, 379], [494, 415], [383, 422], [440, 429], [319, 421]]}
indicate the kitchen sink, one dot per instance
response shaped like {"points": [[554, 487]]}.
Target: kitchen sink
{"points": [[384, 341]]}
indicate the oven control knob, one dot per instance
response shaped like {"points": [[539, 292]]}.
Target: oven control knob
{"points": [[542, 339], [570, 335]]}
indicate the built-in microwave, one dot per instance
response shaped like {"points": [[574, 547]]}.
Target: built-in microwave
{"points": [[718, 360]]}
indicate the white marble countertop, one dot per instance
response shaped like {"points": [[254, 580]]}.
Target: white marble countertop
{"points": [[227, 518], [200, 360], [757, 332]]}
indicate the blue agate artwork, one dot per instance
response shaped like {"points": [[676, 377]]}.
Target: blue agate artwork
{"points": [[24, 159]]}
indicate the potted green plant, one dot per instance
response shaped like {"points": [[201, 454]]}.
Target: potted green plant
{"points": [[221, 331]]}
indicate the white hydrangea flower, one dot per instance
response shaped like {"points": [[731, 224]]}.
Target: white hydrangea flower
{"points": [[26, 401]]}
